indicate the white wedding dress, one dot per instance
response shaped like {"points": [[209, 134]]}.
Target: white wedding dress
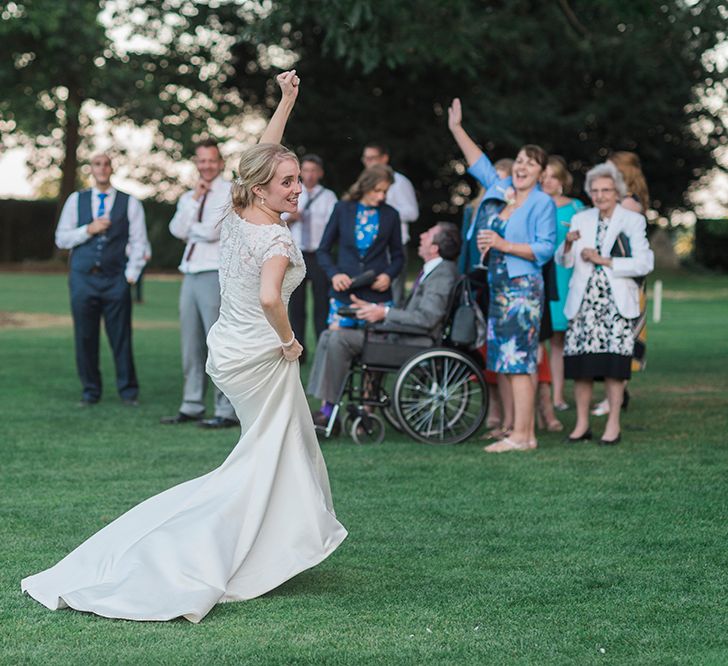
{"points": [[241, 530]]}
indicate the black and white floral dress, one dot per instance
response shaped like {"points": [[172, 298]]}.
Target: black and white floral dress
{"points": [[599, 341]]}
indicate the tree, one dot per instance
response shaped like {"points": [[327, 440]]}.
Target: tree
{"points": [[160, 65], [580, 78]]}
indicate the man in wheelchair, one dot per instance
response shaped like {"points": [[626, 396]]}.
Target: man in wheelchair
{"points": [[425, 310]]}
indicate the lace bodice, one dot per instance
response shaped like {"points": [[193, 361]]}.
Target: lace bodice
{"points": [[244, 247]]}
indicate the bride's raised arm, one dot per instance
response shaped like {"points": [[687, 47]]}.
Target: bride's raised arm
{"points": [[288, 81]]}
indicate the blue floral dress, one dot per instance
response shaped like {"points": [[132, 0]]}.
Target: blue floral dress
{"points": [[514, 314], [365, 233]]}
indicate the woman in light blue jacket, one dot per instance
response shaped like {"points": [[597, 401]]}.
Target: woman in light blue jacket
{"points": [[516, 241]]}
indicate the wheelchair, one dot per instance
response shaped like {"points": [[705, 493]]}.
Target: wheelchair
{"points": [[427, 388]]}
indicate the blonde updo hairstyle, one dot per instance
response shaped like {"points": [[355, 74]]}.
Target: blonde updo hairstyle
{"points": [[368, 180], [257, 167]]}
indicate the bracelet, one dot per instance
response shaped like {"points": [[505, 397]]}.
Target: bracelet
{"points": [[288, 344]]}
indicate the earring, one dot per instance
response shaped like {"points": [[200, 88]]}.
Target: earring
{"points": [[262, 201]]}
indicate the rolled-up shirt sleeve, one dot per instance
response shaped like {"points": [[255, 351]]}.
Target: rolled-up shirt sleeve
{"points": [[184, 216], [544, 244], [68, 233], [138, 241]]}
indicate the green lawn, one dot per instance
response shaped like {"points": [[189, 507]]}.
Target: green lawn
{"points": [[570, 554]]}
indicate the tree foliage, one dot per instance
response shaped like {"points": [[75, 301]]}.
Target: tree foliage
{"points": [[580, 78], [163, 65]]}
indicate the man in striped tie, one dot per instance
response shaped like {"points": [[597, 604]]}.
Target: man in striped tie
{"points": [[197, 223], [107, 235]]}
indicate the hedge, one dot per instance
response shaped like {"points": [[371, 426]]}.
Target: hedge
{"points": [[27, 230], [711, 243]]}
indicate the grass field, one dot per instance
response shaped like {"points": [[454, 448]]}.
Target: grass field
{"points": [[570, 554]]}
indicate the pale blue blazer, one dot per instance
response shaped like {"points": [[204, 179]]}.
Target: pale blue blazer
{"points": [[533, 223]]}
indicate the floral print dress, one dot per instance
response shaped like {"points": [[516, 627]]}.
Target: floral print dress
{"points": [[599, 341], [514, 314]]}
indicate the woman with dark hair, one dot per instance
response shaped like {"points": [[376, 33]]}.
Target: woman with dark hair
{"points": [[519, 239], [368, 234]]}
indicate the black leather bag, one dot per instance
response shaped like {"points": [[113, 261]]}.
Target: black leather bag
{"points": [[468, 328]]}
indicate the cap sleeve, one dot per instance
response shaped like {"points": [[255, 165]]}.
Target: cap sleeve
{"points": [[281, 245]]}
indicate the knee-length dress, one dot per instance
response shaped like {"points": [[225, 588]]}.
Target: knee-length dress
{"points": [[514, 314], [598, 341]]}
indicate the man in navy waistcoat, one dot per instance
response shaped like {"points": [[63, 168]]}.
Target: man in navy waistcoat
{"points": [[97, 225]]}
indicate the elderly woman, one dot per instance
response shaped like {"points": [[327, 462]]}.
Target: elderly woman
{"points": [[519, 238], [607, 247], [368, 234]]}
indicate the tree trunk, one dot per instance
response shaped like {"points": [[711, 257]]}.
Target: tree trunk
{"points": [[70, 145]]}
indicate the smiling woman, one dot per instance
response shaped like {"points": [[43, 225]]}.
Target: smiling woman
{"points": [[266, 513], [518, 237]]}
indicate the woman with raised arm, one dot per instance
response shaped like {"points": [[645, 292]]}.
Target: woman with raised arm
{"points": [[265, 514], [518, 239]]}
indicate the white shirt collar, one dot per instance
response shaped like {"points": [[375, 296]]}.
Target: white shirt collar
{"points": [[431, 265]]}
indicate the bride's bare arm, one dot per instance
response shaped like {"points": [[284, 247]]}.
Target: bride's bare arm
{"points": [[271, 280], [288, 81]]}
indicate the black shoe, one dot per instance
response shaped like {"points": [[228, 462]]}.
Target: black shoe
{"points": [[581, 438], [611, 442], [219, 422], [85, 402], [179, 417], [130, 402]]}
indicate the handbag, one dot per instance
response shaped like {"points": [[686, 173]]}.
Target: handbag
{"points": [[622, 249], [468, 327]]}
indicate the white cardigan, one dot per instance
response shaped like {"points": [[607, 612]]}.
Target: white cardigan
{"points": [[624, 288]]}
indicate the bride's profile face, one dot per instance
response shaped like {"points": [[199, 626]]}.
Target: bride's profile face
{"points": [[281, 193]]}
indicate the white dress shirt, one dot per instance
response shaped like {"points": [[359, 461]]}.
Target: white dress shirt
{"points": [[317, 217], [401, 196], [202, 252], [69, 234], [430, 266]]}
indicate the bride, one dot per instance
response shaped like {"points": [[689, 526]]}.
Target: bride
{"points": [[266, 513]]}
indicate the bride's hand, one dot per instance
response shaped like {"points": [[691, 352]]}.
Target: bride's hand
{"points": [[293, 352], [288, 81]]}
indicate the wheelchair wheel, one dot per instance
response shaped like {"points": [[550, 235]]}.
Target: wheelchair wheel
{"points": [[440, 397], [368, 429]]}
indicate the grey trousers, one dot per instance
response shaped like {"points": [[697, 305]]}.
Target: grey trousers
{"points": [[199, 308], [334, 353]]}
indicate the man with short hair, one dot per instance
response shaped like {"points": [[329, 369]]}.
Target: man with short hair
{"points": [[197, 221], [100, 226], [426, 309], [401, 196], [315, 205]]}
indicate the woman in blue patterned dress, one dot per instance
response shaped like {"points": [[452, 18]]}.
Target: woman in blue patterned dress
{"points": [[519, 240], [557, 182], [367, 233]]}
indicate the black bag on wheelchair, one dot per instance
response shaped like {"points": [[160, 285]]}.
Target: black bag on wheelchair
{"points": [[468, 327]]}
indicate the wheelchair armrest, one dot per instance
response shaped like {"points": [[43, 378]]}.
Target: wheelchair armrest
{"points": [[401, 329]]}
